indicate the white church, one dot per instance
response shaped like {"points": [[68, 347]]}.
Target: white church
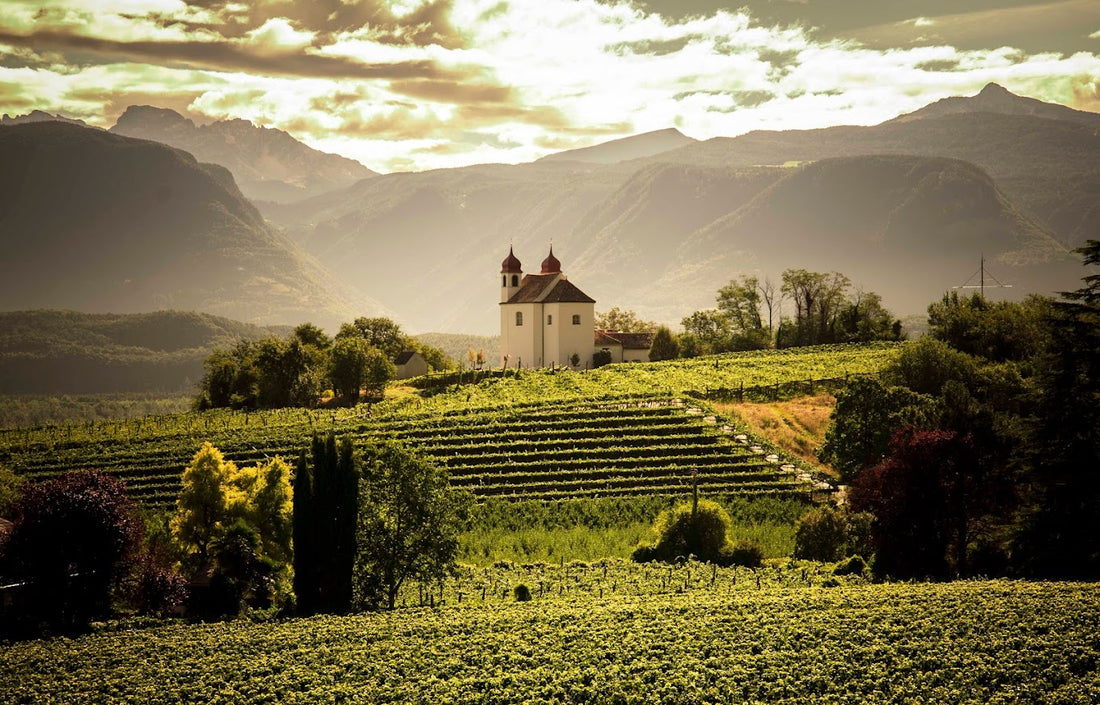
{"points": [[546, 321]]}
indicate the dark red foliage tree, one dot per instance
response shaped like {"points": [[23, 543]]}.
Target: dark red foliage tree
{"points": [[927, 499], [75, 538]]}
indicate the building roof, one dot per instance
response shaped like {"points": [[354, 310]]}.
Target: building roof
{"points": [[511, 264], [629, 341], [548, 288], [404, 357], [551, 265]]}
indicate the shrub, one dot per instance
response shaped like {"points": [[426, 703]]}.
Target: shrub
{"points": [[601, 358], [522, 593], [644, 553], [687, 530], [829, 534], [743, 553], [853, 566], [158, 591], [822, 535]]}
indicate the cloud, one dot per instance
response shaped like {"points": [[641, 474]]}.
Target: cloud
{"points": [[431, 83]]}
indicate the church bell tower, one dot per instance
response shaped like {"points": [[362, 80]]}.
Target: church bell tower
{"points": [[511, 276]]}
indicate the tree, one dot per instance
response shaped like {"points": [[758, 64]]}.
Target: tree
{"points": [[708, 332], [623, 321], [698, 528], [290, 373], [867, 415], [377, 371], [928, 499], [739, 301], [997, 331], [381, 333], [203, 505], [409, 519], [309, 334], [347, 367], [818, 299], [665, 346], [324, 524], [1058, 537], [830, 534], [74, 539]]}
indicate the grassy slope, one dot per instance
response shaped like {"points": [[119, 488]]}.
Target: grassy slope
{"points": [[618, 633], [797, 426]]}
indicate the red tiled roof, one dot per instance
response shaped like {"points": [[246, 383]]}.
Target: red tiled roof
{"points": [[542, 288], [629, 341]]}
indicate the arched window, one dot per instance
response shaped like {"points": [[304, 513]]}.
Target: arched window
{"points": [[519, 318], [549, 319], [515, 280], [504, 280], [576, 319]]}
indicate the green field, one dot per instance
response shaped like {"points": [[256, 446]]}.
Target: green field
{"points": [[610, 632]]}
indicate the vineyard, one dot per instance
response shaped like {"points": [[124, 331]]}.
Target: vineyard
{"points": [[621, 430], [609, 632]]}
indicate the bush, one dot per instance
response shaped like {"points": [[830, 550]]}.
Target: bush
{"points": [[522, 593], [829, 534], [158, 591], [748, 554], [601, 358], [853, 566], [644, 553], [699, 531], [821, 535]]}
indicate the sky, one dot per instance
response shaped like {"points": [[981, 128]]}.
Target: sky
{"points": [[404, 85]]}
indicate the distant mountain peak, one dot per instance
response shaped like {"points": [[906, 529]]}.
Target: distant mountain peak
{"points": [[995, 98], [268, 164], [39, 116], [647, 144]]}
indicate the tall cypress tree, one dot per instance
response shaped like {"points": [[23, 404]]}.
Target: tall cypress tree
{"points": [[327, 518], [305, 538], [347, 514]]}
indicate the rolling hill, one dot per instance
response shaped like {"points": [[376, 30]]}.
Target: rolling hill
{"points": [[98, 222], [268, 164], [67, 352]]}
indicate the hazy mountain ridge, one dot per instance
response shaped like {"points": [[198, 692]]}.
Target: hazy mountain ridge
{"points": [[94, 221], [68, 352], [268, 164], [647, 144]]}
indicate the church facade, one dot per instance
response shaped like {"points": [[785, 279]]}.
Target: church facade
{"points": [[545, 320]]}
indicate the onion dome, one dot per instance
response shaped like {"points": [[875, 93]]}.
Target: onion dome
{"points": [[511, 264], [551, 265]]}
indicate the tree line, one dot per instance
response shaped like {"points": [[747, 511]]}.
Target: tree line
{"points": [[295, 371], [977, 451]]}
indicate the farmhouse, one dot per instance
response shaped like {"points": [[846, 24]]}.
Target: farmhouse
{"points": [[410, 364], [546, 321]]}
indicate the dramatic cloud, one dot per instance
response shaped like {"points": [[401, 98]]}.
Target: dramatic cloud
{"points": [[415, 84]]}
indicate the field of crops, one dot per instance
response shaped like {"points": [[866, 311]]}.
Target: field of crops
{"points": [[539, 435], [615, 633]]}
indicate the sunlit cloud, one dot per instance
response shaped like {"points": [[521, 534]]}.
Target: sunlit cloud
{"points": [[419, 84]]}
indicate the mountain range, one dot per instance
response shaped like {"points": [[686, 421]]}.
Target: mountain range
{"points": [[654, 222], [98, 222]]}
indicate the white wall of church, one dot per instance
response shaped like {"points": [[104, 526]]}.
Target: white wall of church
{"points": [[521, 344]]}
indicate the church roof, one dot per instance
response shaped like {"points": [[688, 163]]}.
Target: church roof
{"points": [[511, 264], [550, 289], [629, 341], [551, 265]]}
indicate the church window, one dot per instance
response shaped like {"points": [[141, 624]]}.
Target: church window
{"points": [[549, 319], [515, 280], [576, 319], [519, 318], [504, 280]]}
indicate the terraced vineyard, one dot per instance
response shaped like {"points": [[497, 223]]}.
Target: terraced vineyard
{"points": [[616, 431], [543, 451]]}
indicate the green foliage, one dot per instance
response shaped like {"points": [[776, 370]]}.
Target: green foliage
{"points": [[623, 321], [665, 346], [1058, 537], [377, 371], [326, 496], [601, 358], [692, 529], [522, 593], [203, 505], [409, 519], [826, 311], [347, 367], [867, 414], [10, 487], [748, 554], [829, 534], [855, 565], [799, 642], [998, 331]]}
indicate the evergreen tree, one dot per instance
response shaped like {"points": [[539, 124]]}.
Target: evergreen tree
{"points": [[305, 538], [665, 346]]}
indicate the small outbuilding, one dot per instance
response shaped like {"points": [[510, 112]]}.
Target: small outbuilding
{"points": [[410, 364], [624, 347]]}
